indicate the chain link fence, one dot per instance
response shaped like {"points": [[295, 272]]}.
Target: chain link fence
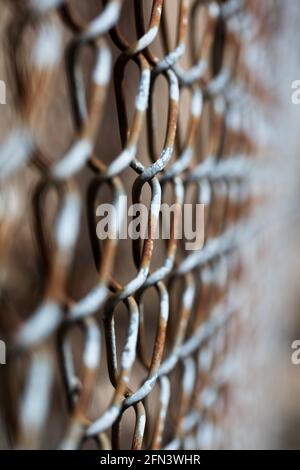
{"points": [[128, 344]]}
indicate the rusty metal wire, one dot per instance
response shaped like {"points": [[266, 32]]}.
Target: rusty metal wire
{"points": [[197, 306]]}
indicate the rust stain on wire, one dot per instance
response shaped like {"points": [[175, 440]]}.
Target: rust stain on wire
{"points": [[215, 164]]}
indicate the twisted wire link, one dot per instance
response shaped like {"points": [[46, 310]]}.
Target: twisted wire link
{"points": [[207, 161]]}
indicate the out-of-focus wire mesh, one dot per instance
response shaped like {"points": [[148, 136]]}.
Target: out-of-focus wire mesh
{"points": [[115, 343]]}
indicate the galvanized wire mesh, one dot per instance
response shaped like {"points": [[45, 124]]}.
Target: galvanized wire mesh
{"points": [[61, 388]]}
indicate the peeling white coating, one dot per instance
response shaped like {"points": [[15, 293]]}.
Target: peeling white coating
{"points": [[142, 392], [41, 6], [146, 40], [177, 168], [165, 391], [46, 49], [208, 397], [104, 22], [89, 304], [164, 307], [190, 420], [91, 354], [105, 421], [201, 334], [140, 425], [67, 225], [158, 166], [206, 192], [71, 378], [219, 82], [197, 103], [15, 151], [173, 87], [72, 440], [168, 363], [205, 358], [40, 325], [142, 97], [161, 272], [135, 284], [155, 204], [194, 73], [171, 58], [35, 401], [73, 160], [189, 376], [214, 10], [11, 204], [129, 350], [188, 297], [122, 161], [164, 157], [164, 398], [102, 69]]}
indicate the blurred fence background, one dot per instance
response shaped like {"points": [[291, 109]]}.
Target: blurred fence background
{"points": [[131, 344]]}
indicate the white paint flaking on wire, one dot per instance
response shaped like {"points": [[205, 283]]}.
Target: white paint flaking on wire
{"points": [[104, 22], [197, 103], [91, 355], [73, 160], [140, 425], [214, 10], [67, 226], [42, 6], [142, 97], [142, 392], [15, 151], [173, 87], [164, 307], [189, 376], [88, 304], [129, 350], [171, 58], [146, 40], [35, 400], [47, 46], [105, 421], [40, 325], [102, 69], [122, 161]]}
